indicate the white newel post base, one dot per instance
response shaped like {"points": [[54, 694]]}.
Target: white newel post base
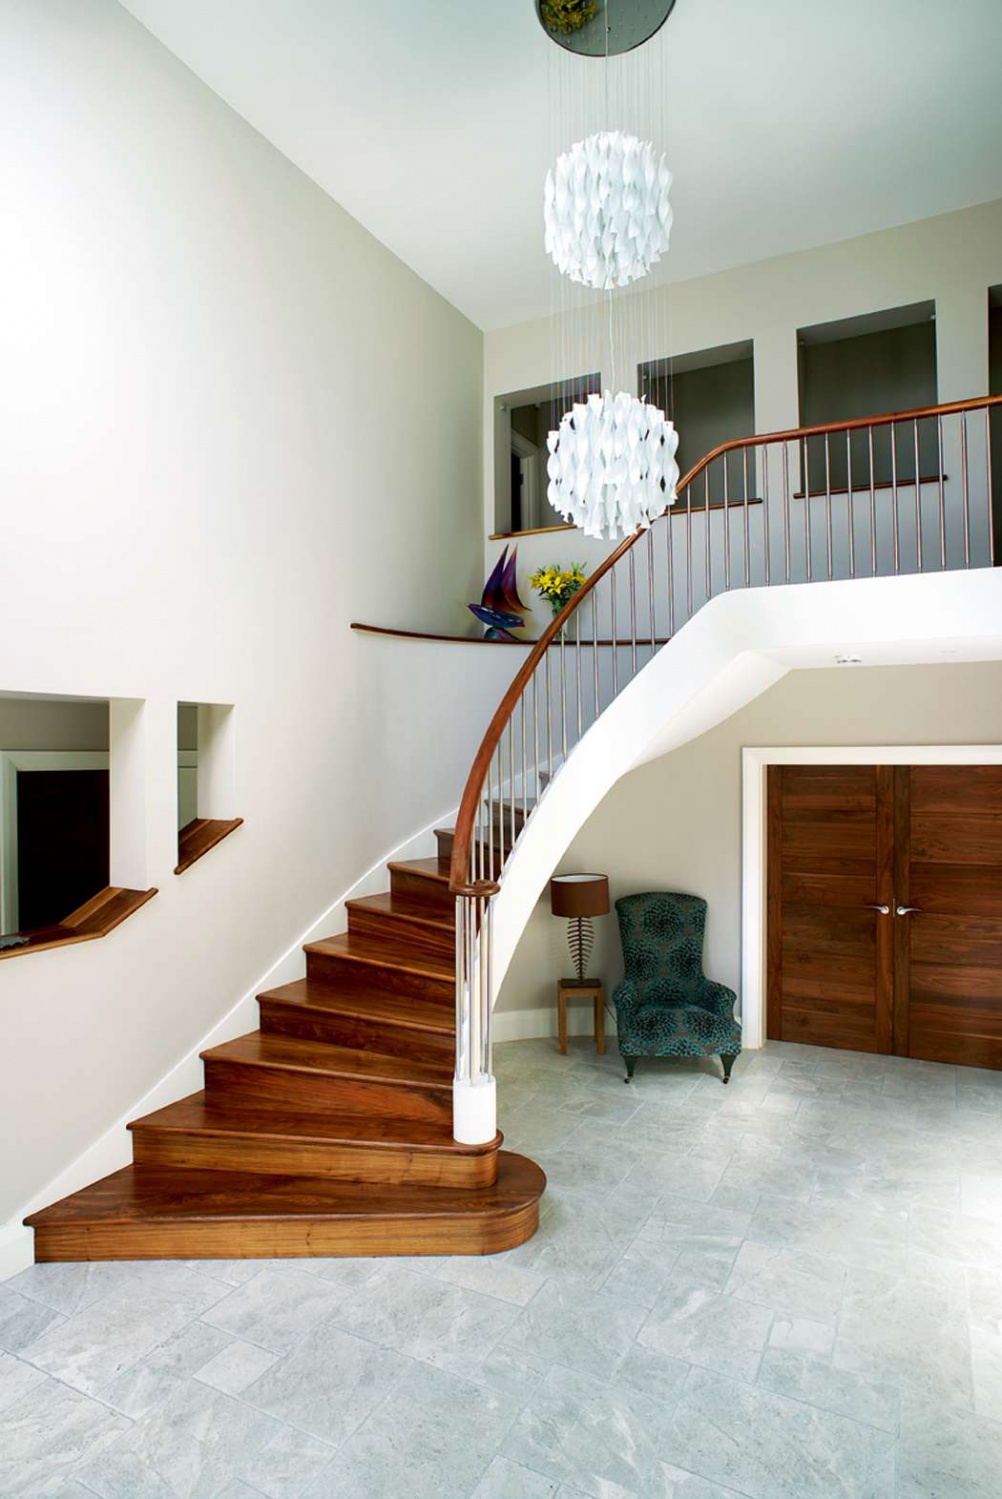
{"points": [[474, 1111]]}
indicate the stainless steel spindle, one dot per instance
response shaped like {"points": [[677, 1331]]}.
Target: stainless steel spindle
{"points": [[525, 764], [487, 970], [873, 508], [744, 471], [670, 564], [549, 714], [631, 558], [990, 498], [461, 1008], [706, 520], [808, 539], [918, 498], [828, 507], [766, 546], [613, 632], [563, 693], [577, 669], [688, 553], [941, 500], [594, 652], [787, 557], [851, 512], [966, 488], [895, 518], [535, 734], [507, 837], [650, 585], [727, 528]]}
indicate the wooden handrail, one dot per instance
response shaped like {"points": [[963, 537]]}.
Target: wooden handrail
{"points": [[459, 869]]}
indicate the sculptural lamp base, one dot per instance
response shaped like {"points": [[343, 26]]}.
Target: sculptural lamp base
{"points": [[579, 897]]}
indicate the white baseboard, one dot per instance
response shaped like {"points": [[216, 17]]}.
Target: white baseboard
{"points": [[113, 1149]]}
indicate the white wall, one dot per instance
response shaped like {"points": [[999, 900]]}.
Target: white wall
{"points": [[675, 823], [39, 724], [232, 422], [951, 259]]}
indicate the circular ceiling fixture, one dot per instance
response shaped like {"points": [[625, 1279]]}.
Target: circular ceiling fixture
{"points": [[602, 28], [606, 214], [612, 465]]}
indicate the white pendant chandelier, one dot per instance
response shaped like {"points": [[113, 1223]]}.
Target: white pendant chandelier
{"points": [[612, 465], [606, 211]]}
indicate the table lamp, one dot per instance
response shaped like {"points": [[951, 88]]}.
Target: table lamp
{"points": [[579, 897]]}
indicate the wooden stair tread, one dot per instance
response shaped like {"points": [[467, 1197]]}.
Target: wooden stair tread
{"points": [[385, 952], [429, 869], [436, 1019], [199, 1112], [392, 903], [260, 1049], [145, 1195]]}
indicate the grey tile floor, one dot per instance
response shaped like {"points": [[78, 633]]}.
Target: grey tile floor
{"points": [[790, 1288]]}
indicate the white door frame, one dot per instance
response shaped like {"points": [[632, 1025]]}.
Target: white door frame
{"points": [[754, 842], [11, 761]]}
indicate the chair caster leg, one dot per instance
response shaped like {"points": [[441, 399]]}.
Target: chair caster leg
{"points": [[631, 1063], [728, 1062]]}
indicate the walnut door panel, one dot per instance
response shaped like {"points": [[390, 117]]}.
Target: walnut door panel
{"points": [[953, 951], [830, 863]]}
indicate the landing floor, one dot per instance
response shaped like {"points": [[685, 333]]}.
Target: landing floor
{"points": [[790, 1288]]}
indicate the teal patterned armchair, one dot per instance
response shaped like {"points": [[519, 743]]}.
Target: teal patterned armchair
{"points": [[666, 1006]]}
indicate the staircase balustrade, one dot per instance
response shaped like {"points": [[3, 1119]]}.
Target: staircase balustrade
{"points": [[909, 492]]}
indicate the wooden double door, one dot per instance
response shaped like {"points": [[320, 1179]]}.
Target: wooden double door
{"points": [[885, 909]]}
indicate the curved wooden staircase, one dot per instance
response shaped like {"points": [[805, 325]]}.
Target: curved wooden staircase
{"points": [[329, 1130]]}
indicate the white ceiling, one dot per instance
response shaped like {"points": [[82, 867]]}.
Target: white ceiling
{"points": [[790, 123]]}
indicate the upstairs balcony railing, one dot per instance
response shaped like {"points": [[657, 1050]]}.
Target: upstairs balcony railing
{"points": [[908, 492]]}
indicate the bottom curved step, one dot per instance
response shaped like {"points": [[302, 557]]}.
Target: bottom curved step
{"points": [[145, 1212]]}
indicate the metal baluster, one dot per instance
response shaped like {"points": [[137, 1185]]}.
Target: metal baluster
{"points": [[808, 539], [511, 796], [594, 651], [525, 757], [918, 499], [942, 494], [873, 507], [563, 693], [787, 558], [535, 734], [632, 568], [851, 517], [688, 553], [765, 514], [966, 488], [828, 506], [549, 715], [461, 971], [613, 634], [650, 587], [706, 517], [727, 529], [895, 520], [988, 487], [490, 816], [744, 469], [477, 852], [670, 564], [577, 667]]}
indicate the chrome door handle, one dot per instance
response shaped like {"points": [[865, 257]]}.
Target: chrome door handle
{"points": [[909, 911], [884, 910]]}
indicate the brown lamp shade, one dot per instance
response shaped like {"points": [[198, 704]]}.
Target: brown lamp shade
{"points": [[579, 895]]}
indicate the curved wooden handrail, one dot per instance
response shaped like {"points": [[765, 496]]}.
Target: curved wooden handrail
{"points": [[459, 869]]}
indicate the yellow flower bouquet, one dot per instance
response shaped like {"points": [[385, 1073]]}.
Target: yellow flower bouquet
{"points": [[558, 584]]}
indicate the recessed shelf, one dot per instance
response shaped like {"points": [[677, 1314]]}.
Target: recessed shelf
{"points": [[199, 835], [101, 915]]}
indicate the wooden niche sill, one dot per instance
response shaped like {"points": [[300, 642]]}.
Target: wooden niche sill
{"points": [[101, 915], [198, 836]]}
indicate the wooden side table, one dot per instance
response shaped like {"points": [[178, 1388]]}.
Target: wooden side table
{"points": [[581, 989]]}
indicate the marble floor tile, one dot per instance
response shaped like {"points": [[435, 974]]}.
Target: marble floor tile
{"points": [[491, 1275], [16, 1379], [591, 1436], [45, 1436], [585, 1330], [137, 1389], [910, 1332], [428, 1319], [947, 1453], [436, 1438], [986, 1371], [94, 1346], [814, 1380], [507, 1480], [235, 1366], [23, 1321], [770, 1447], [277, 1307], [698, 1325], [328, 1384], [791, 1283]]}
